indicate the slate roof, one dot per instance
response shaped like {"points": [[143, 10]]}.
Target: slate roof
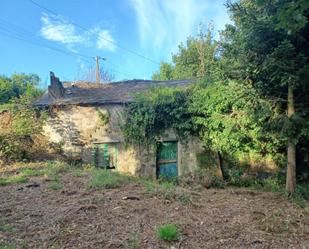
{"points": [[84, 93]]}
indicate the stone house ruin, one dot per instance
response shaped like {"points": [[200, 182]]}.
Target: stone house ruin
{"points": [[85, 120]]}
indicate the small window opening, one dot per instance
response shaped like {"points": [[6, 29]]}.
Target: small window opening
{"points": [[105, 155]]}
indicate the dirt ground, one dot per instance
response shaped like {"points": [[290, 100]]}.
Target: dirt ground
{"points": [[78, 217]]}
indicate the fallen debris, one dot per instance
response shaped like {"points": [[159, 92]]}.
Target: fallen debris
{"points": [[32, 185], [130, 198]]}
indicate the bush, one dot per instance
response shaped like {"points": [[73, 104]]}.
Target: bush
{"points": [[168, 232], [303, 190]]}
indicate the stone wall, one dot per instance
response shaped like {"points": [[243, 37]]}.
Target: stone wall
{"points": [[78, 127]]}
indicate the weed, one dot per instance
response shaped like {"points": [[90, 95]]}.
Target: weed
{"points": [[303, 190], [33, 172], [6, 246], [6, 228], [55, 185], [184, 198], [12, 179], [168, 190], [168, 232], [202, 177], [277, 222], [296, 198], [132, 242], [102, 178], [78, 172], [217, 182]]}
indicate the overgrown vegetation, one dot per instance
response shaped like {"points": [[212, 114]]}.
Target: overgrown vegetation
{"points": [[20, 122], [252, 95], [104, 117], [148, 117], [49, 171], [101, 178]]}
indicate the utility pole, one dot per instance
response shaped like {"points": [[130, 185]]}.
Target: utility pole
{"points": [[97, 69]]}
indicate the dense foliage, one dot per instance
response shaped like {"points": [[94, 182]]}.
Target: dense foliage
{"points": [[18, 85], [268, 46], [253, 76], [20, 123], [196, 58], [231, 118], [151, 114]]}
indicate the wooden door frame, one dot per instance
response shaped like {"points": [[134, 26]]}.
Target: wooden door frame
{"points": [[177, 155]]}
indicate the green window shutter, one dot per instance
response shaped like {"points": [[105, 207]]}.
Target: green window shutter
{"points": [[105, 156], [116, 155], [95, 154]]}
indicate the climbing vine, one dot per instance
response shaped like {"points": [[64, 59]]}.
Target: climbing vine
{"points": [[104, 118], [151, 114]]}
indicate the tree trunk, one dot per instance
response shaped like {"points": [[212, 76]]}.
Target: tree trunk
{"points": [[224, 172], [291, 167]]}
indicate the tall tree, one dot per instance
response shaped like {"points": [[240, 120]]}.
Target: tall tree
{"points": [[272, 53], [196, 58]]}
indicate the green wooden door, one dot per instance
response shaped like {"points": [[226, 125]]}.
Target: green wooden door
{"points": [[167, 160]]}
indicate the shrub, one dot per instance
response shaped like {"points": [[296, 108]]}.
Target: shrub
{"points": [[303, 190], [168, 232], [238, 179]]}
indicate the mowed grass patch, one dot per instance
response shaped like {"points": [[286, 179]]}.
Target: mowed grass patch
{"points": [[101, 178]]}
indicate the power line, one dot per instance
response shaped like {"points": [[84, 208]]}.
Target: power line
{"points": [[103, 38], [21, 35], [8, 34], [21, 32]]}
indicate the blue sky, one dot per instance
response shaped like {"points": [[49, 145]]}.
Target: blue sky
{"points": [[35, 40]]}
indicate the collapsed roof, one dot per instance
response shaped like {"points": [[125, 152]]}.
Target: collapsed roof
{"points": [[85, 93]]}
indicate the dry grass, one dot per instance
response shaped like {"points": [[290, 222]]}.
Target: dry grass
{"points": [[63, 212]]}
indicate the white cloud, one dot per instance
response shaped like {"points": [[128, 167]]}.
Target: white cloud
{"points": [[57, 29], [163, 25], [106, 41]]}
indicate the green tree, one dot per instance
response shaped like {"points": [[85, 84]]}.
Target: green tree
{"points": [[271, 52], [20, 122], [18, 85], [233, 118], [197, 58], [165, 73]]}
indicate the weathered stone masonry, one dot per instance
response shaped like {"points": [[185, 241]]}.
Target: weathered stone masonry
{"points": [[76, 122]]}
